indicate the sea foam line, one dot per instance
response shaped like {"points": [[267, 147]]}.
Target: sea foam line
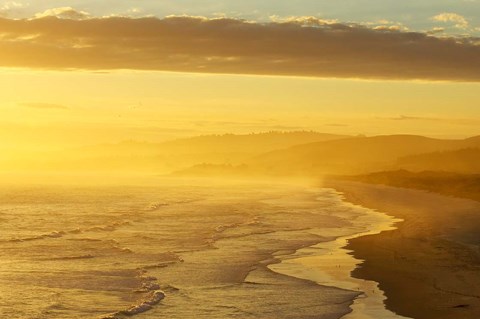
{"points": [[330, 263], [153, 298]]}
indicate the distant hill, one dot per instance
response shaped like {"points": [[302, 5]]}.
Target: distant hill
{"points": [[475, 140], [459, 161], [226, 143], [459, 185], [352, 155], [303, 154], [248, 143], [213, 149], [227, 149]]}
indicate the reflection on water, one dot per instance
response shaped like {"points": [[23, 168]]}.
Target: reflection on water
{"points": [[330, 264], [170, 251]]}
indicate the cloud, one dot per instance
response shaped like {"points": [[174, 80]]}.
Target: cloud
{"points": [[64, 13], [386, 25], [460, 21], [388, 28], [44, 106], [10, 6], [224, 45], [305, 21], [436, 30]]}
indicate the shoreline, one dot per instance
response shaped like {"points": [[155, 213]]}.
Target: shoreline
{"points": [[428, 267], [330, 263]]}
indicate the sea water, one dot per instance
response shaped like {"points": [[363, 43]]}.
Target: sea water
{"points": [[170, 250]]}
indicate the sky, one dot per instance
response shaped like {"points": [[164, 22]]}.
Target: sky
{"points": [[87, 72], [414, 14]]}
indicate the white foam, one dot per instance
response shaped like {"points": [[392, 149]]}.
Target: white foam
{"points": [[330, 264], [151, 300]]}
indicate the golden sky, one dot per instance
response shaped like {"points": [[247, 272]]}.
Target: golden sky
{"points": [[47, 108], [70, 78]]}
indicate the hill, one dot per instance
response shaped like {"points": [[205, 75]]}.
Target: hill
{"points": [[452, 184], [213, 149], [460, 161], [171, 155], [351, 155]]}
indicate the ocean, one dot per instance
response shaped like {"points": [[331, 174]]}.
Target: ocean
{"points": [[174, 250]]}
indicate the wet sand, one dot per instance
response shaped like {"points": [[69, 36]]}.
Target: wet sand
{"points": [[330, 263], [429, 267]]}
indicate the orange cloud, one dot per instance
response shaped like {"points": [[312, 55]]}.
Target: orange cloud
{"points": [[460, 21], [64, 13], [223, 45]]}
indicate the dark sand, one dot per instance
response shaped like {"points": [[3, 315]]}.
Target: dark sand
{"points": [[430, 266]]}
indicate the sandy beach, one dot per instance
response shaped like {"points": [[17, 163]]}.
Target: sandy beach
{"points": [[330, 264], [429, 267]]}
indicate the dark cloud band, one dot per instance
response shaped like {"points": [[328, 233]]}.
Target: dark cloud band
{"points": [[192, 44]]}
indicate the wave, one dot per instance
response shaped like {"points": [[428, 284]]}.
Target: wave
{"points": [[151, 300], [160, 265], [155, 206], [72, 257], [54, 234], [253, 222], [153, 296], [58, 234], [110, 227], [315, 262]]}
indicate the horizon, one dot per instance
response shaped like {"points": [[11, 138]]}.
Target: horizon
{"points": [[277, 155], [236, 105], [240, 159]]}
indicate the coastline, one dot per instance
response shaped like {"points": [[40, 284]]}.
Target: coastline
{"points": [[330, 263], [428, 267]]}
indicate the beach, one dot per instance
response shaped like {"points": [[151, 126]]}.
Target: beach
{"points": [[253, 250], [429, 266]]}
